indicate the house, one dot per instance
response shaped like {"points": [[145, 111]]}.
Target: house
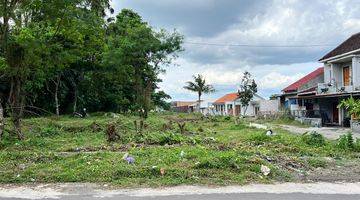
{"points": [[341, 79], [206, 108], [307, 85], [230, 104]]}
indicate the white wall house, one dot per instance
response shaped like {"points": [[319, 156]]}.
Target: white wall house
{"points": [[230, 104]]}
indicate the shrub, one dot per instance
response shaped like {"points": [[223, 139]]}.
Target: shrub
{"points": [[169, 138], [227, 118], [258, 138], [316, 163], [346, 142], [48, 131], [313, 139], [219, 162]]}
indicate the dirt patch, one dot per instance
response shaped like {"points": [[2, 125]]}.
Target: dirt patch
{"points": [[348, 171], [331, 133]]}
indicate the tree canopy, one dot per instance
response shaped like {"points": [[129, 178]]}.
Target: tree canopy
{"points": [[247, 90], [199, 86], [61, 56]]}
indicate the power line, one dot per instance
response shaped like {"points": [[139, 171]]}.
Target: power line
{"points": [[260, 46]]}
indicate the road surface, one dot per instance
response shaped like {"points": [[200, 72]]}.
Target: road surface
{"points": [[293, 191]]}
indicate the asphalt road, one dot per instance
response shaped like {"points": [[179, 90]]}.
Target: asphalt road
{"points": [[244, 196], [83, 191]]}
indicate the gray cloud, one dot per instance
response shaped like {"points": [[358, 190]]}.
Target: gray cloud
{"points": [[254, 22], [202, 18]]}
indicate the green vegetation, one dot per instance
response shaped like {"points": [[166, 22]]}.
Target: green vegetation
{"points": [[281, 118], [314, 139], [63, 57], [199, 86], [210, 151], [351, 105]]}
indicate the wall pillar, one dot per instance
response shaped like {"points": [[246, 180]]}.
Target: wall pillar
{"points": [[336, 74], [355, 72], [341, 114], [327, 73]]}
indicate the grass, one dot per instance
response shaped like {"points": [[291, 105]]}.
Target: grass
{"points": [[282, 121], [214, 151]]}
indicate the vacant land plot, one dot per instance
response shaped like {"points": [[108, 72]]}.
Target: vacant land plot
{"points": [[207, 151]]}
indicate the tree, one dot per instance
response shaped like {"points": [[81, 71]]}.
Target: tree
{"points": [[247, 90], [29, 32], [61, 55], [2, 123], [159, 98], [135, 49], [199, 85]]}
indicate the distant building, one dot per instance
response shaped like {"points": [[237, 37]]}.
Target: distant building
{"points": [[183, 106], [230, 104]]}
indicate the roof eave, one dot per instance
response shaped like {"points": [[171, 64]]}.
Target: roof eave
{"points": [[338, 56]]}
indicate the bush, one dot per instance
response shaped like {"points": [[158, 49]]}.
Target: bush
{"points": [[258, 138], [227, 118], [316, 163], [164, 138], [313, 139], [219, 162], [346, 142], [48, 131]]}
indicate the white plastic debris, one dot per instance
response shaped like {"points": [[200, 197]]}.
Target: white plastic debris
{"points": [[182, 154], [265, 170], [22, 166], [270, 133]]}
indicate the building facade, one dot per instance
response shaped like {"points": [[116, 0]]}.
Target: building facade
{"points": [[315, 97]]}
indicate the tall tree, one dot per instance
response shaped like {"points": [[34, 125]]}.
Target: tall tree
{"points": [[199, 85], [135, 47], [247, 90], [29, 30]]}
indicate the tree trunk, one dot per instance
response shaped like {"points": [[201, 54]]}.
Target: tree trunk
{"points": [[2, 123], [17, 104], [57, 105], [75, 99], [16, 95], [246, 107], [199, 103]]}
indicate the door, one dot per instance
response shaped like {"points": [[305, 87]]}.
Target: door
{"points": [[237, 110], [335, 113], [346, 76]]}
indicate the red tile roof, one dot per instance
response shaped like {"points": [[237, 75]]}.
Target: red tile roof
{"points": [[227, 98], [294, 87]]}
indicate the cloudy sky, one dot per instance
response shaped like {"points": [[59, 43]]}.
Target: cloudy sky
{"points": [[302, 31]]}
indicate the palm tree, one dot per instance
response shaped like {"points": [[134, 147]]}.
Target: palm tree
{"points": [[199, 85]]}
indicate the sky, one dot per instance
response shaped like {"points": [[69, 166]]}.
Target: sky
{"points": [[215, 31]]}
